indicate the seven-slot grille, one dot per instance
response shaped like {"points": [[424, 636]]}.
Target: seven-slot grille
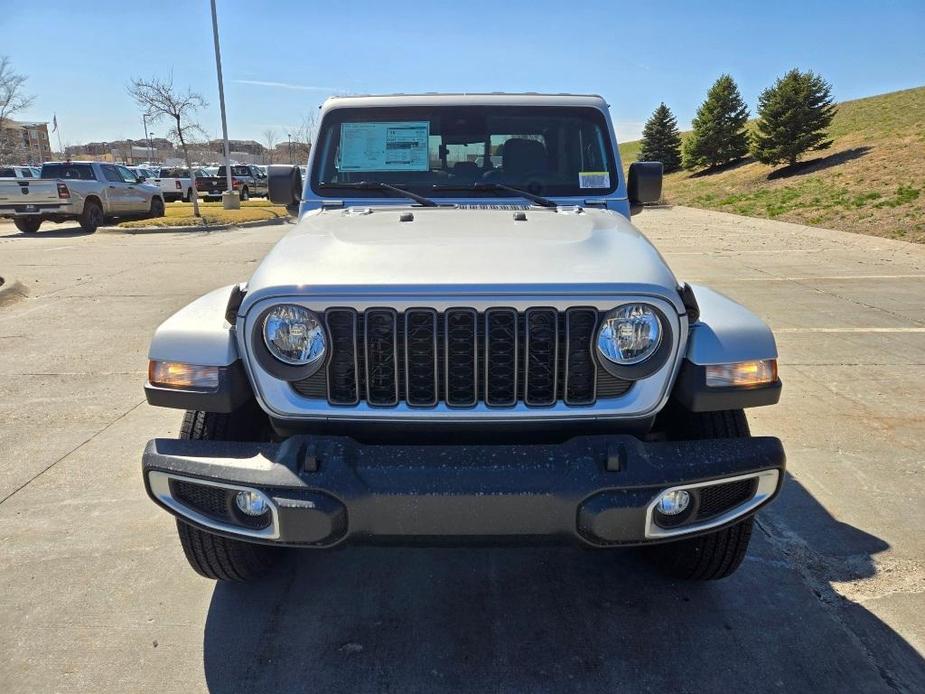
{"points": [[461, 357]]}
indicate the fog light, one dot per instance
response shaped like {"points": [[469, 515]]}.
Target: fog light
{"points": [[251, 503], [673, 502]]}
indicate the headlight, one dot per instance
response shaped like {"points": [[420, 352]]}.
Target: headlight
{"points": [[294, 335], [630, 334]]}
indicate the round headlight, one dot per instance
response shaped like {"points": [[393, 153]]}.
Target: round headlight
{"points": [[294, 335], [630, 334]]}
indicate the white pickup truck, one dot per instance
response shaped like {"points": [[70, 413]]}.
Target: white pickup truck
{"points": [[175, 183], [89, 192]]}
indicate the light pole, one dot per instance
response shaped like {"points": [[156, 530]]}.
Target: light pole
{"points": [[230, 200], [144, 119], [289, 137]]}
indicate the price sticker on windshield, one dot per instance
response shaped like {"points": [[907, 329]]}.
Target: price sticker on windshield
{"points": [[384, 146], [594, 179]]}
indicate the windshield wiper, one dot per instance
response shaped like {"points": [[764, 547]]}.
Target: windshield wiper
{"points": [[378, 185], [538, 199]]}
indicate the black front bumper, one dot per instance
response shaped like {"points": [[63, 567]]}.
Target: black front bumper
{"points": [[325, 490]]}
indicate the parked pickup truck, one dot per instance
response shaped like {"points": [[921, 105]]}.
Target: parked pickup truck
{"points": [[450, 346], [175, 183], [89, 192], [247, 180], [18, 172]]}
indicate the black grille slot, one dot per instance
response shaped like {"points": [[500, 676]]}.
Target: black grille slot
{"points": [[580, 369], [461, 342], [501, 357], [720, 498], [209, 501], [342, 376], [541, 356], [381, 356], [421, 357]]}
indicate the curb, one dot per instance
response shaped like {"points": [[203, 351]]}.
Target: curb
{"points": [[11, 290], [191, 229]]}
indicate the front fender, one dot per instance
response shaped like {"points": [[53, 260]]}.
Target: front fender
{"points": [[727, 332], [198, 333]]}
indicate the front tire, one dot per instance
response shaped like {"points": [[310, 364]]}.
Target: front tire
{"points": [[28, 225], [214, 556], [718, 554], [245, 194], [92, 217]]}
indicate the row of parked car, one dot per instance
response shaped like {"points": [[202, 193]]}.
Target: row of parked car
{"points": [[248, 180], [92, 193]]}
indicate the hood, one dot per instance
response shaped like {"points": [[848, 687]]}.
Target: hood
{"points": [[445, 250]]}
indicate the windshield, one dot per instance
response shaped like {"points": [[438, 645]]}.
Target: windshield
{"points": [[235, 171], [438, 150]]}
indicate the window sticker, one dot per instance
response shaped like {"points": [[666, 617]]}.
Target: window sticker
{"points": [[384, 146], [594, 179]]}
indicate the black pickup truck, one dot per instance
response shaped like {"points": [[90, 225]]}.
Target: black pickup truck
{"points": [[247, 180]]}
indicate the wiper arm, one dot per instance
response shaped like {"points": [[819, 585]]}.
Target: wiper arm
{"points": [[379, 185], [538, 199]]}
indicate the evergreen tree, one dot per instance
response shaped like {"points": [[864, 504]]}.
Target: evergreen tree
{"points": [[719, 135], [793, 116], [661, 140]]}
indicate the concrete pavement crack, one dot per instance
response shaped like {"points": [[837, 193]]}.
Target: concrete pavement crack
{"points": [[811, 567], [73, 450]]}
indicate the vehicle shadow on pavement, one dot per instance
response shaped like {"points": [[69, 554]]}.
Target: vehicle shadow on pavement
{"points": [[66, 233], [555, 619]]}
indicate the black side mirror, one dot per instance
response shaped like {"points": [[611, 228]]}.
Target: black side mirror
{"points": [[643, 184], [141, 179]]}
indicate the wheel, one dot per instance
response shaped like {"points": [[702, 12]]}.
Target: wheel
{"points": [[214, 556], [189, 195], [157, 207], [92, 217], [244, 193], [714, 555], [28, 225]]}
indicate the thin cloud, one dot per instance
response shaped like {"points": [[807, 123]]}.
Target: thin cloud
{"points": [[289, 85]]}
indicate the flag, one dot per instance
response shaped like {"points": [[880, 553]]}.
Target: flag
{"points": [[54, 123]]}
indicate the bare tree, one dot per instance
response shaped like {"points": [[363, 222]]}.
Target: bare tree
{"points": [[159, 100], [303, 135], [12, 100], [269, 139]]}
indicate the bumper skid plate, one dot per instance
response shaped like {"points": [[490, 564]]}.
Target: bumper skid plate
{"points": [[598, 490]]}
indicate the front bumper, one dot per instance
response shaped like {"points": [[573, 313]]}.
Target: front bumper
{"points": [[325, 490]]}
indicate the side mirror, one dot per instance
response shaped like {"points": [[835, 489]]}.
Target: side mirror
{"points": [[285, 185], [643, 184], [141, 179]]}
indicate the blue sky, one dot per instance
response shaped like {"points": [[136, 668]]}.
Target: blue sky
{"points": [[281, 58]]}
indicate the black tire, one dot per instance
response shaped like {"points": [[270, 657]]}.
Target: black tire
{"points": [[245, 194], [92, 217], [214, 556], [189, 195], [28, 225], [224, 559], [714, 555], [157, 207]]}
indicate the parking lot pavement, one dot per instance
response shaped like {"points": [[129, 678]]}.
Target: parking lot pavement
{"points": [[95, 594]]}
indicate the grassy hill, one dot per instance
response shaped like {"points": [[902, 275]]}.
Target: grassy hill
{"points": [[871, 181]]}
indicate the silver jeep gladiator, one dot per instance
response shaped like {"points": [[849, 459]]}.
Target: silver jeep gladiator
{"points": [[464, 339]]}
